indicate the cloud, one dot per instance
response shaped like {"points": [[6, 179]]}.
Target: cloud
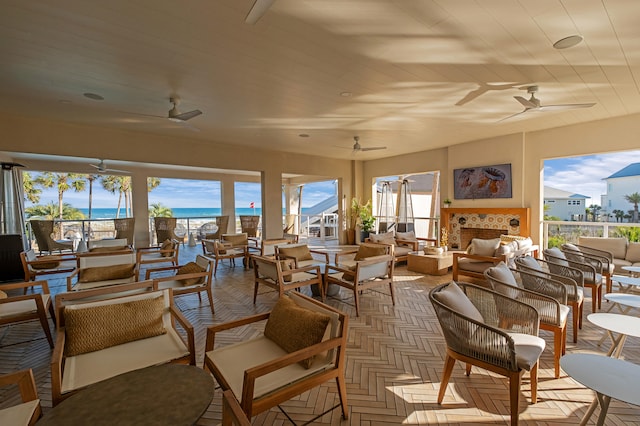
{"points": [[584, 175]]}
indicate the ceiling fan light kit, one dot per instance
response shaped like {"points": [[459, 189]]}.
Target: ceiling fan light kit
{"points": [[533, 104]]}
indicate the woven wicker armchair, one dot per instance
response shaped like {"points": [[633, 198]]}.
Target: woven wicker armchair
{"points": [[484, 328], [167, 228], [249, 225], [125, 229], [553, 311], [599, 259], [42, 230], [538, 278], [591, 276]]}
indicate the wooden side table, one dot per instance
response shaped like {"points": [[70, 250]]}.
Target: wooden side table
{"points": [[431, 264]]}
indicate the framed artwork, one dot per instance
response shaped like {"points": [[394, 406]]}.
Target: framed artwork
{"points": [[482, 182]]}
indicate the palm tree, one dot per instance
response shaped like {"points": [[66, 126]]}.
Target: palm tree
{"points": [[634, 199], [91, 178], [63, 182], [619, 214], [152, 183], [158, 210], [31, 190], [121, 185], [594, 209], [50, 211]]}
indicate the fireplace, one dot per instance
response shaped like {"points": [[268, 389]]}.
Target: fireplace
{"points": [[467, 234]]}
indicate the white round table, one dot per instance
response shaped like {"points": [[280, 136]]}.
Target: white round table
{"points": [[624, 301], [626, 283], [632, 269], [608, 377], [624, 325]]}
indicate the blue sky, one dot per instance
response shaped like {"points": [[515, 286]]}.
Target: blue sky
{"points": [[583, 175], [186, 193]]}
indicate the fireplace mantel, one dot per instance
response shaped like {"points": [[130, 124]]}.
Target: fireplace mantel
{"points": [[516, 220]]}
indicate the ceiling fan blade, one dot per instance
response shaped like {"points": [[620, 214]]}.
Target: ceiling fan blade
{"points": [[116, 171], [525, 102], [258, 9], [373, 148], [514, 115], [96, 166], [187, 115], [565, 107]]}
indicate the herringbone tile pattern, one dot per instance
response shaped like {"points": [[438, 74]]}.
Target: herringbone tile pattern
{"points": [[394, 363]]}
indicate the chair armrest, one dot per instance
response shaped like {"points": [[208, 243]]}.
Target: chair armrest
{"points": [[336, 268], [494, 259], [25, 381], [57, 363], [26, 285], [427, 240], [211, 331], [70, 277], [414, 244], [547, 306], [58, 257], [188, 328], [545, 285], [302, 269], [595, 252], [351, 253], [179, 277], [166, 268], [324, 254]]}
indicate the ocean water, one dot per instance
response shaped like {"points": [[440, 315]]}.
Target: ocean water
{"points": [[108, 213]]}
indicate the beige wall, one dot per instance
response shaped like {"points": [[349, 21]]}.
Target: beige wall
{"points": [[525, 151]]}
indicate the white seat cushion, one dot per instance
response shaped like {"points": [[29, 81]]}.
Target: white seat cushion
{"points": [[18, 415], [23, 306], [528, 349]]}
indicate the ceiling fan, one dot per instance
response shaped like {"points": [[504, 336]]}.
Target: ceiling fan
{"points": [[176, 116], [533, 104], [102, 168], [258, 9], [357, 147]]}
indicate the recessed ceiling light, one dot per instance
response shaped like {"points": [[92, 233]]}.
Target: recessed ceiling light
{"points": [[567, 42], [346, 94], [93, 96], [304, 135]]}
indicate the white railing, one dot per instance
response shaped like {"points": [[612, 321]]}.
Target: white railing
{"points": [[558, 232]]}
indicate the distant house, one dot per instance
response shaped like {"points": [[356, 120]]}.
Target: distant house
{"points": [[623, 182], [564, 205]]}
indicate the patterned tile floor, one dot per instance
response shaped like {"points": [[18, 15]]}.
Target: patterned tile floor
{"points": [[394, 362]]}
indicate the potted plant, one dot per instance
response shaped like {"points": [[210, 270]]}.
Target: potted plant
{"points": [[367, 220], [447, 202], [360, 215]]}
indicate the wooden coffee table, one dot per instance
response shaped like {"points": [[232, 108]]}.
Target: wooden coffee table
{"points": [[431, 264]]}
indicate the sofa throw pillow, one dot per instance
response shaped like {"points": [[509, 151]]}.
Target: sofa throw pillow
{"points": [[506, 238], [166, 245], [506, 249], [190, 268], [293, 327], [287, 265], [222, 249], [100, 327], [370, 250], [104, 273], [107, 249], [297, 252], [484, 247], [46, 262], [454, 298], [3, 295], [530, 262], [556, 256], [386, 238], [406, 236], [633, 253], [502, 273]]}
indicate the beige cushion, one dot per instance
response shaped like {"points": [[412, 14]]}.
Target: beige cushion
{"points": [[506, 249], [300, 252], [98, 327], [528, 349], [287, 265], [166, 245], [54, 262], [293, 328], [3, 295], [406, 236], [237, 239], [501, 273], [19, 414], [484, 247], [190, 268], [616, 246], [505, 238], [221, 247], [531, 262], [105, 273], [633, 253], [453, 297], [107, 249], [557, 256], [386, 238], [365, 251]]}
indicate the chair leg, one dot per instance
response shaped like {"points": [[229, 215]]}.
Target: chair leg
{"points": [[44, 321], [575, 313], [342, 393], [210, 296], [215, 267], [449, 362], [558, 335], [393, 299], [467, 369], [533, 375], [355, 299], [514, 395], [255, 292]]}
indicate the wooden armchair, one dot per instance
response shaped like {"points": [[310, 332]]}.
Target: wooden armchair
{"points": [[403, 243], [282, 275], [29, 411], [35, 266], [219, 251], [591, 275], [553, 310], [167, 252], [536, 278], [371, 272], [101, 270], [232, 414], [103, 338], [348, 258], [599, 259], [125, 229], [194, 277], [483, 254], [261, 374], [26, 307], [301, 254], [43, 231], [487, 329], [249, 225]]}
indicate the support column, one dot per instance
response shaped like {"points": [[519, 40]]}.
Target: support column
{"points": [[140, 203], [228, 199], [271, 204]]}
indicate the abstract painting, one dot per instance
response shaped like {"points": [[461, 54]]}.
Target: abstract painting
{"points": [[482, 182]]}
